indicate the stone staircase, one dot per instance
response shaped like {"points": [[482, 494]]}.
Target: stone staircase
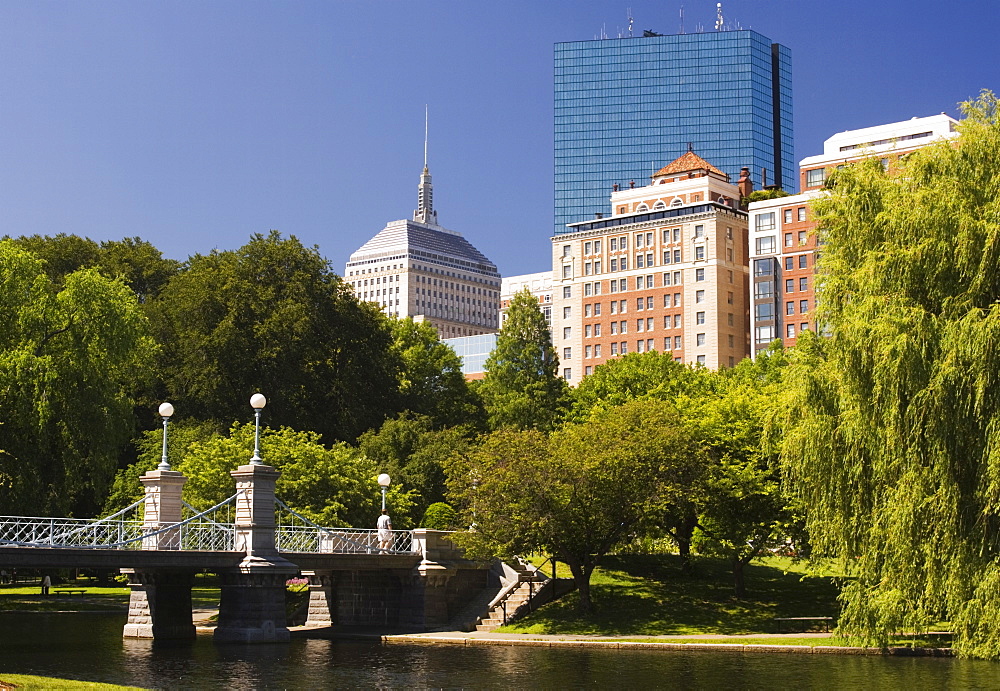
{"points": [[515, 600]]}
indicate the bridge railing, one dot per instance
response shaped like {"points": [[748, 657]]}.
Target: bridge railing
{"points": [[341, 540]]}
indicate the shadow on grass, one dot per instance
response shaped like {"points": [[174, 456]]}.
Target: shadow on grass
{"points": [[649, 595]]}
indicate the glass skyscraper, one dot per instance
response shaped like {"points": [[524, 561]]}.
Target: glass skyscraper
{"points": [[626, 107]]}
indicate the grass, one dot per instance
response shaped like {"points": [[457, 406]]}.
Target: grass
{"points": [[27, 681], [28, 598], [648, 595]]}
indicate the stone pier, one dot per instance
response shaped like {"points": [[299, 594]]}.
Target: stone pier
{"points": [[160, 599], [252, 607]]}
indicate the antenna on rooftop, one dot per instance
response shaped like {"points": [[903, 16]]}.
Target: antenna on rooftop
{"points": [[425, 135], [719, 23], [630, 20], [682, 19]]}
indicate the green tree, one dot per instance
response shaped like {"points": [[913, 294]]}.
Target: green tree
{"points": [[439, 516], [589, 488], [273, 317], [69, 356], [414, 454], [894, 432], [521, 389], [431, 381]]}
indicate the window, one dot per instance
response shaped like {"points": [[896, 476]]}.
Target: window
{"points": [[587, 268], [803, 261], [614, 328], [597, 287], [765, 245], [677, 234], [765, 221], [622, 306], [639, 345], [802, 237], [699, 339], [586, 310], [699, 252], [567, 332], [732, 341], [789, 308], [666, 343], [623, 264], [788, 240], [803, 306], [614, 348], [789, 330], [567, 291], [701, 359], [677, 299], [586, 351], [666, 321], [597, 332], [677, 321], [677, 256], [597, 350], [729, 253], [640, 282], [640, 303], [623, 326], [815, 177], [567, 353], [666, 256], [622, 285], [588, 370], [597, 266], [699, 274], [649, 324], [677, 342], [567, 312], [587, 289], [597, 246], [699, 296], [729, 232], [649, 259], [567, 373], [639, 263], [649, 239], [587, 246], [614, 307], [788, 216], [803, 326], [649, 302], [567, 250], [623, 243], [764, 334], [614, 265], [699, 318], [802, 213], [789, 263], [764, 311], [699, 231], [567, 271], [666, 300], [804, 283], [640, 325], [729, 297], [597, 309], [763, 267], [789, 285], [586, 331], [624, 347], [638, 240], [666, 236], [614, 244]]}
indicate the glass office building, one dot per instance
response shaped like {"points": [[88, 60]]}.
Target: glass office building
{"points": [[626, 107]]}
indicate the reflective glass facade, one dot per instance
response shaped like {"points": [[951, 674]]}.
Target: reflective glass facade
{"points": [[626, 107]]}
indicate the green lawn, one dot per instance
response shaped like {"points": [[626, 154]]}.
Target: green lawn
{"points": [[26, 681], [649, 595], [23, 597]]}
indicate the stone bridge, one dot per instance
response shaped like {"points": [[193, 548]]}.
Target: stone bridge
{"points": [[420, 589]]}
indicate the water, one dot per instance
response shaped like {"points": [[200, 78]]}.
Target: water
{"points": [[89, 646]]}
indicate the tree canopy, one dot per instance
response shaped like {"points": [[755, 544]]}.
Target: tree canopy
{"points": [[894, 431], [521, 389], [70, 354], [579, 493]]}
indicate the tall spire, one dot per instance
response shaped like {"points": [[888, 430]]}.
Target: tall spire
{"points": [[425, 212]]}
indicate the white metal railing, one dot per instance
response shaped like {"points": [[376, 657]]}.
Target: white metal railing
{"points": [[197, 532], [296, 533]]}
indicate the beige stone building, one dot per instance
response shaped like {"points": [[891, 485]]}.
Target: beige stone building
{"points": [[666, 270]]}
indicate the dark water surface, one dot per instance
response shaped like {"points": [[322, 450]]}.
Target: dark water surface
{"points": [[90, 647]]}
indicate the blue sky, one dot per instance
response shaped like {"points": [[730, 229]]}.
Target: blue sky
{"points": [[194, 124]]}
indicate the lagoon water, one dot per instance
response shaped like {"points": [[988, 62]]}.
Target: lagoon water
{"points": [[89, 647]]}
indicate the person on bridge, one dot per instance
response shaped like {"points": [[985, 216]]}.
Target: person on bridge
{"points": [[384, 531], [46, 584]]}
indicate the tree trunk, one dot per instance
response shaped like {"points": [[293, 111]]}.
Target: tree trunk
{"points": [[581, 578], [739, 585], [683, 535]]}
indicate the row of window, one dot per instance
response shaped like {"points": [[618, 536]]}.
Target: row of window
{"points": [[763, 335]]}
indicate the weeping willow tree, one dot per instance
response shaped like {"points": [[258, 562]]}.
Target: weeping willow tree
{"points": [[894, 420]]}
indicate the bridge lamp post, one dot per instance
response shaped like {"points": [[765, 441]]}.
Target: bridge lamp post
{"points": [[166, 411], [257, 402], [384, 480]]}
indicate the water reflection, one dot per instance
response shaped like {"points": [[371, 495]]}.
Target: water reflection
{"points": [[89, 646]]}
